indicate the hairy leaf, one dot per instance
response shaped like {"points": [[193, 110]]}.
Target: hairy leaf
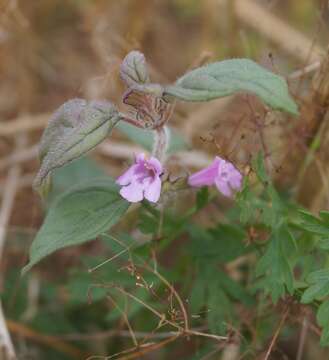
{"points": [[232, 76], [133, 69], [75, 128], [77, 216]]}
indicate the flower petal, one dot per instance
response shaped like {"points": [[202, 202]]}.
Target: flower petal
{"points": [[223, 186], [153, 190], [236, 181], [133, 192], [127, 177], [205, 177], [156, 165]]}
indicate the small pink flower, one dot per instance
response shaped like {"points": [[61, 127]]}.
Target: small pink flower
{"points": [[141, 180], [221, 173]]}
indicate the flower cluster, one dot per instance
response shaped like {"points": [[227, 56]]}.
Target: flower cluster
{"points": [[142, 179]]}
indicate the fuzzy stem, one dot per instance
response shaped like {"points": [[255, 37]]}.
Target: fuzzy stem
{"points": [[161, 142]]}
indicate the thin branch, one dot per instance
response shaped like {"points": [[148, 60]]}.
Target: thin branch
{"points": [[148, 349], [169, 322], [139, 351], [276, 334], [178, 298], [124, 333], [126, 320]]}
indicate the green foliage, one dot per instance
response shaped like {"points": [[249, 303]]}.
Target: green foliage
{"points": [[213, 289], [275, 266], [229, 77], [79, 215], [265, 209]]}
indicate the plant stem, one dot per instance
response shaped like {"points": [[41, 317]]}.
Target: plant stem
{"points": [[161, 141]]}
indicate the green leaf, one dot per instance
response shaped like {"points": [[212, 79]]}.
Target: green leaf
{"points": [[221, 244], [145, 138], [235, 290], [75, 128], [318, 276], [324, 216], [323, 243], [319, 287], [274, 264], [324, 341], [72, 174], [232, 76], [316, 291], [220, 311], [260, 169], [202, 197], [313, 224], [77, 216], [322, 316]]}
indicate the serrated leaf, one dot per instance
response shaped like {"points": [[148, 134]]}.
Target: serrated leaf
{"points": [[275, 266], [319, 287], [232, 76], [145, 138], [133, 69], [312, 224], [75, 128], [79, 215]]}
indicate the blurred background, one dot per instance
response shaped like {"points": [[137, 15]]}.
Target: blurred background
{"points": [[53, 50]]}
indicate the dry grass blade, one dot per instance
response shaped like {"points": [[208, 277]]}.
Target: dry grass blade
{"points": [[46, 340], [290, 40], [9, 193]]}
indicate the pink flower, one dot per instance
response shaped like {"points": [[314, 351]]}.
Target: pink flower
{"points": [[221, 173], [141, 180]]}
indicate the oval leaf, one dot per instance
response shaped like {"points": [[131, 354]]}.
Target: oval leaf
{"points": [[77, 216], [133, 69], [75, 128], [229, 77]]}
